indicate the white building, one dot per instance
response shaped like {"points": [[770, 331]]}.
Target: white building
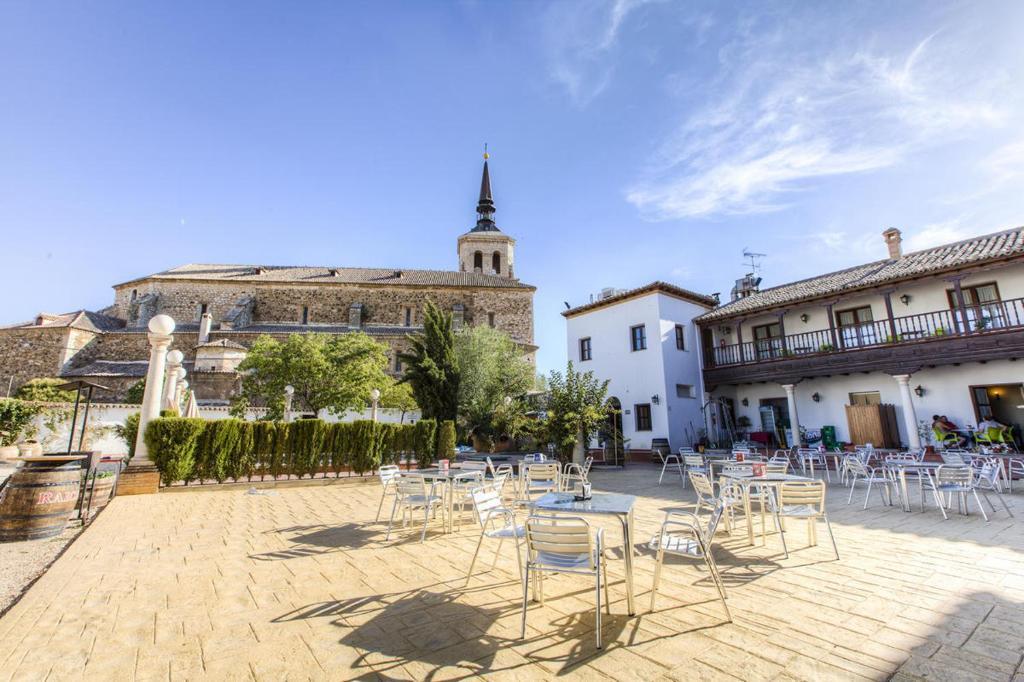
{"points": [[645, 343], [933, 332]]}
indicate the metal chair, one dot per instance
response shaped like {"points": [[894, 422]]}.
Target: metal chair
{"points": [[463, 485], [496, 522], [671, 458], [388, 474], [576, 473], [953, 480], [564, 544], [987, 481], [411, 493], [810, 458], [681, 534], [805, 500], [871, 476], [539, 478], [505, 469], [694, 463]]}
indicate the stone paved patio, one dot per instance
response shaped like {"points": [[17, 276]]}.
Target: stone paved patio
{"points": [[299, 584]]}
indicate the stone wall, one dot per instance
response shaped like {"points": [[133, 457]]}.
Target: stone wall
{"points": [[330, 303], [31, 353], [131, 345]]}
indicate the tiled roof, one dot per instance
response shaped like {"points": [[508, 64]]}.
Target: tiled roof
{"points": [[948, 257], [222, 343], [372, 330], [662, 287], [110, 368], [78, 319], [329, 275]]}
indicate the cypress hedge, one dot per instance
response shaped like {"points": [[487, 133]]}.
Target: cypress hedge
{"points": [[171, 442], [446, 440], [424, 444]]}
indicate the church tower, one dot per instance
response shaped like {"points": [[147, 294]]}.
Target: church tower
{"points": [[485, 248]]}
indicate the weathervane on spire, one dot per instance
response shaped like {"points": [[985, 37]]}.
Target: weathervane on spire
{"points": [[486, 155], [485, 207]]}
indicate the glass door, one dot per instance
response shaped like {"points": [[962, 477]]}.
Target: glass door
{"points": [[856, 327], [768, 341]]}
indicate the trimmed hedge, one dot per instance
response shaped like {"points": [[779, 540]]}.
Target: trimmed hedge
{"points": [[194, 449]]}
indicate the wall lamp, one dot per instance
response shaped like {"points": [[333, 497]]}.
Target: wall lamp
{"points": [[918, 391], [804, 317], [905, 298], [816, 397], [655, 399], [744, 402]]}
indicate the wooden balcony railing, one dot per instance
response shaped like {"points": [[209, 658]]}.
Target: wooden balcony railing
{"points": [[980, 319]]}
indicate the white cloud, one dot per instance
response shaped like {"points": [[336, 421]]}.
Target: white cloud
{"points": [[581, 39], [782, 117]]}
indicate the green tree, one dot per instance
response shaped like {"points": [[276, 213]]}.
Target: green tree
{"points": [[15, 417], [577, 404], [129, 431], [45, 391], [493, 368], [431, 367], [335, 373], [397, 395], [135, 393]]}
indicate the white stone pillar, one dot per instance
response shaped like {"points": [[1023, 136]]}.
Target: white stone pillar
{"points": [[794, 419], [205, 324], [374, 400], [180, 387], [709, 418], [170, 392], [160, 329], [909, 416]]}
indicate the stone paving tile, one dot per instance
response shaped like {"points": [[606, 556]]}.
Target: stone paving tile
{"points": [[300, 584]]}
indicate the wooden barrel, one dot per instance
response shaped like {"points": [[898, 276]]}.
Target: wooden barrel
{"points": [[39, 498]]}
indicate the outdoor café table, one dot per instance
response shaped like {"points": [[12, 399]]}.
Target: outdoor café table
{"points": [[605, 504], [899, 468], [447, 476], [719, 459], [748, 479]]}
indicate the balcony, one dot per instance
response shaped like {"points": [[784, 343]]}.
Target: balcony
{"points": [[901, 344]]}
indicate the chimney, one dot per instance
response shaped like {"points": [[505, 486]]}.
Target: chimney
{"points": [[458, 315], [894, 240], [205, 322], [355, 315]]}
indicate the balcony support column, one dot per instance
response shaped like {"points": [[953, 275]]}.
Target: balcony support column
{"points": [[782, 333], [739, 340], [832, 327], [909, 416], [794, 420], [888, 311], [961, 308]]}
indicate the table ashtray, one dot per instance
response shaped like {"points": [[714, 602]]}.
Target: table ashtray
{"points": [[581, 498]]}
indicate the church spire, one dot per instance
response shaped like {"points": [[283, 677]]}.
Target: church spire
{"points": [[485, 206]]}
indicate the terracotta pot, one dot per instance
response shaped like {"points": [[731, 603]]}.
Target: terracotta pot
{"points": [[9, 452]]}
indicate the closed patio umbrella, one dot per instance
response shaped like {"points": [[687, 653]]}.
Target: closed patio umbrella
{"points": [[191, 407]]}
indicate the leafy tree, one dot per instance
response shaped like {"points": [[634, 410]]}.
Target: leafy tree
{"points": [[15, 417], [446, 440], [493, 368], [335, 373], [45, 391], [577, 404], [135, 393], [398, 395], [431, 366], [128, 432]]}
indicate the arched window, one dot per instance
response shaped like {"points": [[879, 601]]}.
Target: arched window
{"points": [[496, 263], [478, 262]]}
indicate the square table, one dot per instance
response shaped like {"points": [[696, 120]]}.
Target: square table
{"points": [[605, 504], [748, 479], [899, 467], [448, 476]]}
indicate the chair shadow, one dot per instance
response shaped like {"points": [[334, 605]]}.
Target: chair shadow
{"points": [[318, 539]]}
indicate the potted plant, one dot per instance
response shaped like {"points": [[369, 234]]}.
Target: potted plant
{"points": [[743, 425]]}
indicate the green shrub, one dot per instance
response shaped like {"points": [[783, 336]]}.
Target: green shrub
{"points": [[279, 455], [263, 445], [446, 440], [243, 457], [216, 445], [135, 393], [338, 445], [423, 442], [307, 439], [172, 446], [45, 391], [365, 446], [129, 432]]}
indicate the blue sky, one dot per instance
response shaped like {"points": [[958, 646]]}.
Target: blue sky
{"points": [[630, 140]]}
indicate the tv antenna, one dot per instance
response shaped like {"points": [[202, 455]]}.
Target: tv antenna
{"points": [[752, 260]]}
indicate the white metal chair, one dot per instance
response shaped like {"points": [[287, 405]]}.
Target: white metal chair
{"points": [[705, 490], [681, 534], [388, 475], [564, 544], [694, 464], [872, 477], [953, 457], [463, 485], [496, 522], [674, 459], [953, 480], [539, 478], [804, 500], [576, 473], [988, 481], [411, 494], [810, 458]]}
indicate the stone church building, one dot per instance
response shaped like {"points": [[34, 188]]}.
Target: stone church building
{"points": [[221, 309]]}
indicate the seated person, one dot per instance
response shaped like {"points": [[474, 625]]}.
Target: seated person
{"points": [[990, 431], [989, 422], [945, 432]]}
